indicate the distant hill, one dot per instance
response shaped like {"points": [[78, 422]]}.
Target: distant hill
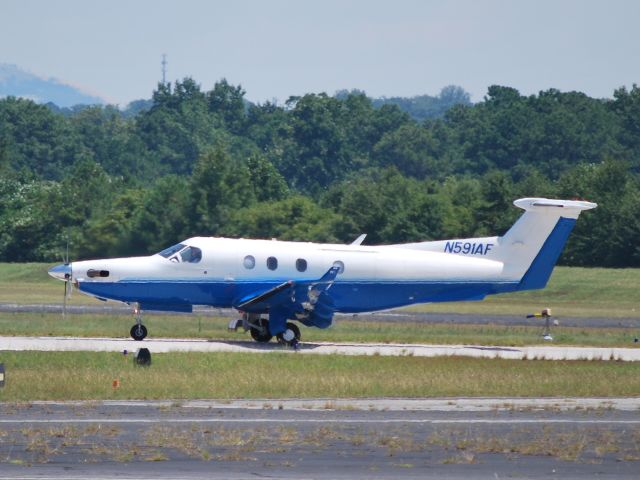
{"points": [[18, 83]]}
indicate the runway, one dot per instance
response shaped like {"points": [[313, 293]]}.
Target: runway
{"points": [[165, 345], [304, 438]]}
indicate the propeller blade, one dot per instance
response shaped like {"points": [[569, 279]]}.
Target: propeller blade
{"points": [[64, 301]]}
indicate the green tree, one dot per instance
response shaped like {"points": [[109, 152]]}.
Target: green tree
{"points": [[217, 187], [228, 102], [296, 218]]}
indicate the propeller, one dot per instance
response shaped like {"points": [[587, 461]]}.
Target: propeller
{"points": [[68, 287], [64, 272]]}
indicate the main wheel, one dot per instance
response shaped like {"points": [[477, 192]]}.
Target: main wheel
{"points": [[262, 334], [138, 332], [291, 335]]}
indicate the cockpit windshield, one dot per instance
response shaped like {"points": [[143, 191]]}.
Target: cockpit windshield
{"points": [[187, 254], [167, 252]]}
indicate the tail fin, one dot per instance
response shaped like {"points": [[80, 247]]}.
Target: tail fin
{"points": [[531, 247]]}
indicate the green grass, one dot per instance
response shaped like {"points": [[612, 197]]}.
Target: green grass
{"points": [[87, 375], [193, 326], [571, 291]]}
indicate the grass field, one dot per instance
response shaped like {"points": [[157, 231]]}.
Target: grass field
{"points": [[571, 292], [84, 375]]}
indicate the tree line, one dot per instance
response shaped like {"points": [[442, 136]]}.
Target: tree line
{"points": [[315, 168]]}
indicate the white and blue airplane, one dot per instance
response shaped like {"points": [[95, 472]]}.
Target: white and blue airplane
{"points": [[273, 283]]}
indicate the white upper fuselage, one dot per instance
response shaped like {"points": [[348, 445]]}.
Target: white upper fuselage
{"points": [[227, 260]]}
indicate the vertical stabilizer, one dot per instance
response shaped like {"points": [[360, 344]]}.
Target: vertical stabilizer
{"points": [[531, 247]]}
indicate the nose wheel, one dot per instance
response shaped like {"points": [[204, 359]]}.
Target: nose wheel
{"points": [[138, 331]]}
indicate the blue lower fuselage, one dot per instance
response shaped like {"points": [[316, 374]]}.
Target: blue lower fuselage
{"points": [[348, 297]]}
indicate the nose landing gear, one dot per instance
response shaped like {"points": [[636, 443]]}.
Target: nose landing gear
{"points": [[138, 331]]}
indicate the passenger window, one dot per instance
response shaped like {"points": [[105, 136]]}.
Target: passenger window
{"points": [[272, 263], [301, 265], [249, 262]]}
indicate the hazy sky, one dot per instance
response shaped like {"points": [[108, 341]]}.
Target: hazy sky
{"points": [[280, 48]]}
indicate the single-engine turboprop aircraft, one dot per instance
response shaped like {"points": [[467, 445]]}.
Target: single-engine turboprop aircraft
{"points": [[273, 282]]}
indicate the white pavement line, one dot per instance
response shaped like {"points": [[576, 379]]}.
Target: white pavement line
{"points": [[165, 345], [510, 421]]}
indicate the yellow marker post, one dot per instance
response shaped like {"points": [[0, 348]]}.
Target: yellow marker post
{"points": [[546, 314]]}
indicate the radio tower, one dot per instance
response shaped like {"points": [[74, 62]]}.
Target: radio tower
{"points": [[164, 68]]}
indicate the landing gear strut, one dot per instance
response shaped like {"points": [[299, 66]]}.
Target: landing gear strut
{"points": [[138, 331]]}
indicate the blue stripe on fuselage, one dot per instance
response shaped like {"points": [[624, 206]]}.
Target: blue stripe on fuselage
{"points": [[348, 296]]}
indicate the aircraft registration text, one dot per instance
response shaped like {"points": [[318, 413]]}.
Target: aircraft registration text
{"points": [[469, 248]]}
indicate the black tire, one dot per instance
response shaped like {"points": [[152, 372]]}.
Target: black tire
{"points": [[296, 332], [264, 335], [138, 332]]}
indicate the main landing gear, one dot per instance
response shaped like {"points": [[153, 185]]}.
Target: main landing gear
{"points": [[258, 327], [138, 331]]}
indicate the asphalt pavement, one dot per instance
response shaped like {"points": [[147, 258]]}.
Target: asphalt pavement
{"points": [[441, 438]]}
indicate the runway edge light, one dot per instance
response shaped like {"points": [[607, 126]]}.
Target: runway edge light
{"points": [[1, 374]]}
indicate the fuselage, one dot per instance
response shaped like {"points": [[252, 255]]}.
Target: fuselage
{"points": [[226, 270]]}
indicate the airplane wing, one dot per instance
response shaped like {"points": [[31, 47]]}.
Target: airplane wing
{"points": [[306, 301], [264, 300]]}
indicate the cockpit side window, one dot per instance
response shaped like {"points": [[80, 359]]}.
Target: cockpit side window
{"points": [[167, 252], [191, 255]]}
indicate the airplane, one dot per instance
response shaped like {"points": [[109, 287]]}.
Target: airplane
{"points": [[276, 283]]}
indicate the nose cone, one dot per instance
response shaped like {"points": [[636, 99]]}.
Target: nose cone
{"points": [[61, 272]]}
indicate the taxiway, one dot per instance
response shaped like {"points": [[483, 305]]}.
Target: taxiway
{"points": [[165, 345]]}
